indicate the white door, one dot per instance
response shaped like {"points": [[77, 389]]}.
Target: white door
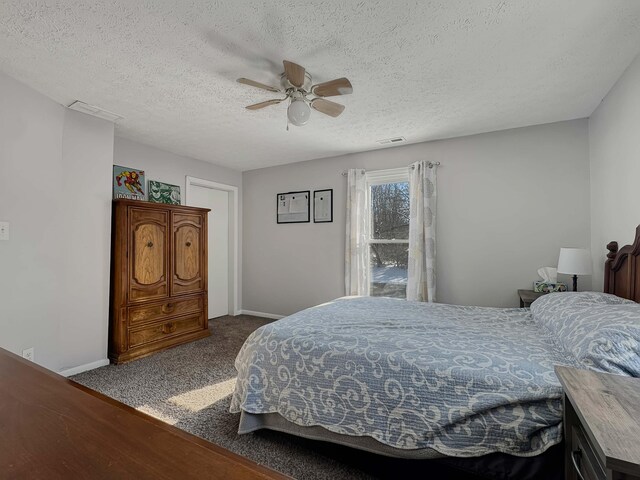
{"points": [[218, 202]]}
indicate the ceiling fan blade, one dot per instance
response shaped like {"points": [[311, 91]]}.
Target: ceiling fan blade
{"points": [[253, 83], [295, 73], [339, 86], [258, 106], [327, 107]]}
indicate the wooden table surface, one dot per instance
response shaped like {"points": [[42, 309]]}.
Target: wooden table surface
{"points": [[54, 428], [608, 407]]}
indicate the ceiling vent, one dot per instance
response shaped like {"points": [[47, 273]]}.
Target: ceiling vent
{"points": [[388, 141], [79, 106]]}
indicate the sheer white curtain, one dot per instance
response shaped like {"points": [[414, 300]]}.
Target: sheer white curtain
{"points": [[421, 284], [356, 275]]}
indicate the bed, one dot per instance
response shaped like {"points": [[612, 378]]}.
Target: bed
{"points": [[415, 380]]}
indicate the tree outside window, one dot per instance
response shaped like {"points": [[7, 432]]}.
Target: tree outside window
{"points": [[389, 239]]}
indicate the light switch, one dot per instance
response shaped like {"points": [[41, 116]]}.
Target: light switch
{"points": [[4, 230]]}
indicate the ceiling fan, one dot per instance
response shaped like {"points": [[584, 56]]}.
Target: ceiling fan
{"points": [[296, 85]]}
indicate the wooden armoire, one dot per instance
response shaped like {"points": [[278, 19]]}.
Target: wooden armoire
{"points": [[158, 278]]}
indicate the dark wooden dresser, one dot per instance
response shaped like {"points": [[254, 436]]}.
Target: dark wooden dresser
{"points": [[158, 278], [527, 297], [602, 425], [53, 428]]}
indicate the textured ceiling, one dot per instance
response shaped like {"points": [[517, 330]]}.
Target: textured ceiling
{"points": [[420, 69]]}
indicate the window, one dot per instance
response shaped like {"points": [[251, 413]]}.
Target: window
{"points": [[388, 232]]}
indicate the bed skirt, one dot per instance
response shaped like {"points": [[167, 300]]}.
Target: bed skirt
{"points": [[499, 466], [250, 422]]}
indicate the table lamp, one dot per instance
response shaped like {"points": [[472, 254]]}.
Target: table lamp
{"points": [[574, 261]]}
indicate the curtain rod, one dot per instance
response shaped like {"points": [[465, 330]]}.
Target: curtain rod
{"points": [[430, 164]]}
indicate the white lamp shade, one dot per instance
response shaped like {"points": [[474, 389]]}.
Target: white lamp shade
{"points": [[574, 261], [298, 112]]}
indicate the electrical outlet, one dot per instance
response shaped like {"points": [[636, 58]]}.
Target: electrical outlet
{"points": [[4, 230], [28, 354]]}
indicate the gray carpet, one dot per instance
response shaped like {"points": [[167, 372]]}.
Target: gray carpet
{"points": [[190, 387]]}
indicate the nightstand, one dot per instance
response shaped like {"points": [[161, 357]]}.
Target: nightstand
{"points": [[601, 425], [528, 296]]}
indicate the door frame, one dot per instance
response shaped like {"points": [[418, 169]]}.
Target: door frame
{"points": [[234, 220]]}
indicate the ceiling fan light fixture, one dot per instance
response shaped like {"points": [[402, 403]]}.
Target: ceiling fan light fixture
{"points": [[297, 86], [298, 112]]}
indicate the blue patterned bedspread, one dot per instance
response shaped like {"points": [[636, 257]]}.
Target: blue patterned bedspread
{"points": [[464, 381]]}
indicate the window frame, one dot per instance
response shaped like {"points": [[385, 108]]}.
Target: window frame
{"points": [[380, 177]]}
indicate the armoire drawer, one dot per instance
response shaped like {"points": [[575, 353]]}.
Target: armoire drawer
{"points": [[170, 308], [165, 329]]}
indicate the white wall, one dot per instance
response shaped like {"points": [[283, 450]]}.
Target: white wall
{"points": [[55, 191], [507, 202], [171, 168], [168, 167], [614, 147]]}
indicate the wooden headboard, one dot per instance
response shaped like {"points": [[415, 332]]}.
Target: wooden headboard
{"points": [[622, 269]]}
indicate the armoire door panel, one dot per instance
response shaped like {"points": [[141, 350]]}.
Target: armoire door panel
{"points": [[148, 254], [187, 249], [188, 243], [148, 265]]}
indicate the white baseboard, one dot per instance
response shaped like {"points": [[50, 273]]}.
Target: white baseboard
{"points": [[83, 368], [261, 314]]}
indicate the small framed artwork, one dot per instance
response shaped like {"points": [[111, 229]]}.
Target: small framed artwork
{"points": [[160, 192], [293, 207], [323, 206], [128, 183]]}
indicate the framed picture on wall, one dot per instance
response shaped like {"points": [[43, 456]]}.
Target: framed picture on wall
{"points": [[323, 206], [128, 183], [160, 192], [293, 207]]}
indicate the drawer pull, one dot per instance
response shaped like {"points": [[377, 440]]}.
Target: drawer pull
{"points": [[168, 308], [574, 458], [168, 328], [150, 244], [188, 244]]}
